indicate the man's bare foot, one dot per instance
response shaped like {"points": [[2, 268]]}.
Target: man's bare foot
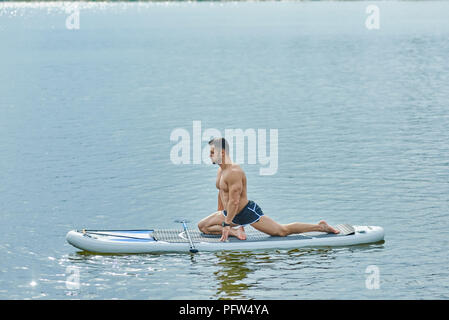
{"points": [[327, 228], [238, 233]]}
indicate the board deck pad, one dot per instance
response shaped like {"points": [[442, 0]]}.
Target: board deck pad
{"points": [[179, 236]]}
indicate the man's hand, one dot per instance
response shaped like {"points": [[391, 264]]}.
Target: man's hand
{"points": [[225, 233]]}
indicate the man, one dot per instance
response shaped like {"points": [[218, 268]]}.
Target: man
{"points": [[234, 208]]}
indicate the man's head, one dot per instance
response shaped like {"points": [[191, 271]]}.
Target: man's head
{"points": [[219, 150]]}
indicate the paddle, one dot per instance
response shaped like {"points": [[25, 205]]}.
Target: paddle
{"points": [[184, 223]]}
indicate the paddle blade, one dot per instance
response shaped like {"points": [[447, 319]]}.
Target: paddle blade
{"points": [[181, 220]]}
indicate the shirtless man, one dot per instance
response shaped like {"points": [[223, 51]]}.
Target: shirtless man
{"points": [[234, 209]]}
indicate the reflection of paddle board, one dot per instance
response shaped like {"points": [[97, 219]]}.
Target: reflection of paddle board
{"points": [[171, 240]]}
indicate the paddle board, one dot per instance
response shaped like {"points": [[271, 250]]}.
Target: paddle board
{"points": [[174, 240]]}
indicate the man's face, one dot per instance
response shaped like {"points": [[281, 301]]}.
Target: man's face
{"points": [[215, 156]]}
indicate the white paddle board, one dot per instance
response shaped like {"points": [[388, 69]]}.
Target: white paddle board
{"points": [[173, 240]]}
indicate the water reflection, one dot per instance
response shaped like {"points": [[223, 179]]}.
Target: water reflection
{"points": [[237, 270], [235, 274], [233, 270]]}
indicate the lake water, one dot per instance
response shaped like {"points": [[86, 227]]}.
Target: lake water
{"points": [[86, 116]]}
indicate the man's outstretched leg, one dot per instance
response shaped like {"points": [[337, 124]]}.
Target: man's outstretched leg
{"points": [[271, 227]]}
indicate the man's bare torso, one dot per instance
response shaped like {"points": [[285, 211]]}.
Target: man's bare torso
{"points": [[222, 185]]}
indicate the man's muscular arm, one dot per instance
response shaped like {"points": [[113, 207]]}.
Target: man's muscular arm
{"points": [[235, 186]]}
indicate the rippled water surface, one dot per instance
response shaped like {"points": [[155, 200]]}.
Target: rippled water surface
{"points": [[363, 137]]}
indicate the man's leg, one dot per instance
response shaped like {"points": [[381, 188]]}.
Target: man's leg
{"points": [[271, 227], [212, 225]]}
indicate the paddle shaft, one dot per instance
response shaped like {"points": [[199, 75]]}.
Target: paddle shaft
{"points": [[192, 247]]}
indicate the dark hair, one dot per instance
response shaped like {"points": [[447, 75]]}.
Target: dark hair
{"points": [[220, 143]]}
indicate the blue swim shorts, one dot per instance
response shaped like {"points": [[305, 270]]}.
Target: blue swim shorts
{"points": [[250, 214]]}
